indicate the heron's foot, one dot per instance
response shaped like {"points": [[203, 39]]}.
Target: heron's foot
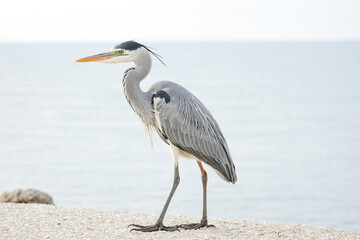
{"points": [[195, 226], [153, 228]]}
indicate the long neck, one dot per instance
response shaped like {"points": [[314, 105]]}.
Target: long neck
{"points": [[139, 100]]}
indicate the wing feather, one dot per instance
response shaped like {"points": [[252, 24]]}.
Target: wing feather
{"points": [[187, 123]]}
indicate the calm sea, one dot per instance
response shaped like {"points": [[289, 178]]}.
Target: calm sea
{"points": [[289, 111]]}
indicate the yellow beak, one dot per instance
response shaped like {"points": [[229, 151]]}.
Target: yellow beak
{"points": [[96, 58]]}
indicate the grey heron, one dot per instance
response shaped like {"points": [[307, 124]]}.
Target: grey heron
{"points": [[179, 118]]}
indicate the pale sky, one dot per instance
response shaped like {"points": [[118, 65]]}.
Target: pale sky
{"points": [[181, 20]]}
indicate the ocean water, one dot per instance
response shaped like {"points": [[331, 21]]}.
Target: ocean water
{"points": [[290, 113]]}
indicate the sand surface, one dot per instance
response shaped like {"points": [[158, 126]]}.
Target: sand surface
{"points": [[37, 221]]}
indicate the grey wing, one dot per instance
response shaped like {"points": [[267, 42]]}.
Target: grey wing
{"points": [[184, 121]]}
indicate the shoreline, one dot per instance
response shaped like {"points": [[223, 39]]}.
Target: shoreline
{"points": [[39, 221]]}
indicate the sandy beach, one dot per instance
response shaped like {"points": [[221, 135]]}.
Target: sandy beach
{"points": [[38, 221]]}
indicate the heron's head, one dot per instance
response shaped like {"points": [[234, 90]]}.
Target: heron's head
{"points": [[129, 51]]}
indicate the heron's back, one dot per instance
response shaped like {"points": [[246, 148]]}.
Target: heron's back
{"points": [[185, 122]]}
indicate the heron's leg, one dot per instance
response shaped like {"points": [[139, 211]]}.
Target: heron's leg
{"points": [[204, 184], [159, 223], [204, 220]]}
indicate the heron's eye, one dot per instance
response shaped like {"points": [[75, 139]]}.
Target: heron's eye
{"points": [[121, 51]]}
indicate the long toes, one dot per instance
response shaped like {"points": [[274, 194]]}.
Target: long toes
{"points": [[193, 226], [135, 225], [170, 229], [140, 228], [152, 228], [189, 226]]}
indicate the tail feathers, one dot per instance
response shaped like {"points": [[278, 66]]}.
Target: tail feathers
{"points": [[229, 175]]}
